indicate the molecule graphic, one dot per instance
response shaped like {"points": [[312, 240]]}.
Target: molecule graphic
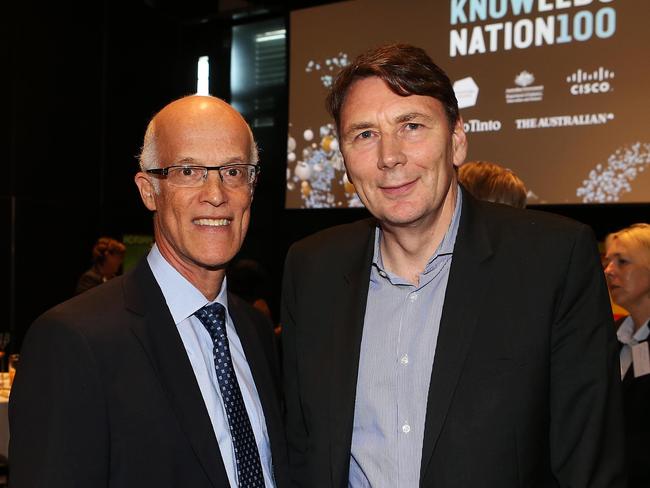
{"points": [[331, 64], [606, 184], [319, 170], [319, 173]]}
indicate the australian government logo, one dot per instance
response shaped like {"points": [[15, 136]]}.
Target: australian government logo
{"points": [[525, 91], [588, 82], [564, 121]]}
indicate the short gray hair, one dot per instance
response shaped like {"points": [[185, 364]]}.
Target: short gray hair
{"points": [[148, 157]]}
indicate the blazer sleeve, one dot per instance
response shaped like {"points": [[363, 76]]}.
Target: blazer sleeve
{"points": [[57, 413], [586, 428], [297, 435]]}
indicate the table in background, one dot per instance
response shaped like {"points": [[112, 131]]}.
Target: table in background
{"points": [[4, 414]]}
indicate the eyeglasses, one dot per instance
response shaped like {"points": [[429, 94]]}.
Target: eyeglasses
{"points": [[188, 176]]}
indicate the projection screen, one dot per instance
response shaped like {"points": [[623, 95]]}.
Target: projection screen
{"points": [[556, 90]]}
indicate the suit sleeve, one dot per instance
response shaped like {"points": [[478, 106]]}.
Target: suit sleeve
{"points": [[586, 429], [57, 412], [297, 435]]}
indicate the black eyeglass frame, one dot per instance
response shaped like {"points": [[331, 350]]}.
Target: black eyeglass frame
{"points": [[164, 171]]}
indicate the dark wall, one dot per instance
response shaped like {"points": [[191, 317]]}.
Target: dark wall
{"points": [[55, 71], [85, 79], [145, 68]]}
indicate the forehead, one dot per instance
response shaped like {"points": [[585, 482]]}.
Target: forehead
{"points": [[371, 99], [615, 246], [210, 136], [626, 247]]}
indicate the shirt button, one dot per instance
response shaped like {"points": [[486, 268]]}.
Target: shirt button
{"points": [[404, 359], [413, 297], [382, 274], [406, 428]]}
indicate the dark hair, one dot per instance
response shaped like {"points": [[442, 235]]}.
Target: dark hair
{"points": [[406, 69], [493, 183], [104, 246]]}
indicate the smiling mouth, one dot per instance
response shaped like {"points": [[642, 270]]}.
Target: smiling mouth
{"points": [[396, 190], [212, 222]]}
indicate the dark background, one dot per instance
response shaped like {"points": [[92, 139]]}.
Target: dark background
{"points": [[81, 80]]}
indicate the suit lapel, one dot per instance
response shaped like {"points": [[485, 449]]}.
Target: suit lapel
{"points": [[159, 337], [347, 319], [256, 358], [468, 279], [265, 384]]}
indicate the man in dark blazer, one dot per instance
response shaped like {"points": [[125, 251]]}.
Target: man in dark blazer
{"points": [[445, 342], [160, 377]]}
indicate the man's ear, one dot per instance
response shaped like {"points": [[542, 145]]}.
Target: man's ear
{"points": [[459, 143], [146, 189]]}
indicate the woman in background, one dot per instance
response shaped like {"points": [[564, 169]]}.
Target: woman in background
{"points": [[628, 276], [108, 255]]}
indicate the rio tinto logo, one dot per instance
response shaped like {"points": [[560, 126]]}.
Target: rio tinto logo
{"points": [[585, 83]]}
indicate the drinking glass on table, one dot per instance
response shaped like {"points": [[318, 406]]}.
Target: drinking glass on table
{"points": [[14, 359], [4, 342]]}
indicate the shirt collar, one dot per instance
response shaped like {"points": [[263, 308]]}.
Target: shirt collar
{"points": [[626, 334], [445, 247], [181, 296]]}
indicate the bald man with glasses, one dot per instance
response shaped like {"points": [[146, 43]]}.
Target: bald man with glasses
{"points": [[161, 377]]}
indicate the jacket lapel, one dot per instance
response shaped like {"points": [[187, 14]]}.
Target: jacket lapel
{"points": [[262, 375], [347, 329], [256, 358], [467, 282], [160, 340]]}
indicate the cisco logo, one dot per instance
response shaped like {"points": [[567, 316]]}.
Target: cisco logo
{"points": [[584, 83]]}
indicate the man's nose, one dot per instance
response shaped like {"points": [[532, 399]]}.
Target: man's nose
{"points": [[390, 152], [213, 190]]}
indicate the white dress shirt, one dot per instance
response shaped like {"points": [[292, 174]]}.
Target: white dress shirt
{"points": [[183, 299], [629, 338]]}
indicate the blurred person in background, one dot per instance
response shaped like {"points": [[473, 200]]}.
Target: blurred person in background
{"points": [[249, 280], [628, 275], [108, 255], [492, 183]]}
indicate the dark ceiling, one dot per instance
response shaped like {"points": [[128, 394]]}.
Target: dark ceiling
{"points": [[202, 10]]}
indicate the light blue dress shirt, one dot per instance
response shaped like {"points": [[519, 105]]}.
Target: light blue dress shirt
{"points": [[400, 333], [183, 299]]}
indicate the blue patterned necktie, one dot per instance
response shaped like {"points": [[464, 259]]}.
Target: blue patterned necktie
{"points": [[249, 468]]}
